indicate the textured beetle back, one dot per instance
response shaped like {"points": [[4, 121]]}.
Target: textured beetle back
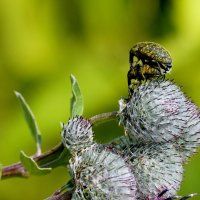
{"points": [[154, 51]]}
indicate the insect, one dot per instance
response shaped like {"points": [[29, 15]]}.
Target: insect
{"points": [[148, 60]]}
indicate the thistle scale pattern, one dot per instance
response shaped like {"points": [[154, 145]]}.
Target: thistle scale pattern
{"points": [[159, 112], [101, 174]]}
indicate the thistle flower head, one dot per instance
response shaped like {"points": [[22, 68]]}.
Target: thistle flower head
{"points": [[159, 112], [156, 166], [77, 134], [101, 174]]}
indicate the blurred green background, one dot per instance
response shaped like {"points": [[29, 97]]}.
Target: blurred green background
{"points": [[43, 41]]}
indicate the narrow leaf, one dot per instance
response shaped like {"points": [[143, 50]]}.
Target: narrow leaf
{"points": [[77, 98], [64, 157], [31, 166], [30, 119]]}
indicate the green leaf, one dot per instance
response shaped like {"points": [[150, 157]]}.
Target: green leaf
{"points": [[31, 166], [58, 158], [77, 98], [30, 119], [64, 157]]}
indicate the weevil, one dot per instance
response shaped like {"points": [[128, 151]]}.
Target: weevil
{"points": [[148, 60]]}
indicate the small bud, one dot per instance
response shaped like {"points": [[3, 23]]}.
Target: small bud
{"points": [[77, 134], [101, 174]]}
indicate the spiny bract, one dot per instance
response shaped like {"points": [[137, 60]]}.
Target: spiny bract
{"points": [[159, 112], [101, 174], [156, 166], [77, 134]]}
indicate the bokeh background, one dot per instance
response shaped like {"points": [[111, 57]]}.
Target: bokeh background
{"points": [[43, 41]]}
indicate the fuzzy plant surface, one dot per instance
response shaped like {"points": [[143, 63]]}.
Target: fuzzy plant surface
{"points": [[101, 174], [123, 169], [158, 111], [77, 134], [156, 166], [98, 173]]}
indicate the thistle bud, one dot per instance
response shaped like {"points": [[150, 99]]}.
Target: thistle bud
{"points": [[156, 166], [101, 174], [159, 112], [77, 134]]}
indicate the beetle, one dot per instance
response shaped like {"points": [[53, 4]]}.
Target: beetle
{"points": [[148, 60]]}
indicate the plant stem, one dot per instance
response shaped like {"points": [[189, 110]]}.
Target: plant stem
{"points": [[14, 170], [17, 169], [103, 117], [51, 158]]}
